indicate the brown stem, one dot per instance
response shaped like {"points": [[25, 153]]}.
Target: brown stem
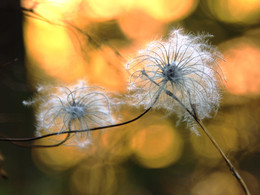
{"points": [[44, 146], [230, 165], [41, 146], [194, 114], [16, 141]]}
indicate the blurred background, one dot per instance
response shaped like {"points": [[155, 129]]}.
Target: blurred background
{"points": [[50, 41]]}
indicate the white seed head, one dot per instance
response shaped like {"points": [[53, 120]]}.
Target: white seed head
{"points": [[76, 107], [184, 65]]}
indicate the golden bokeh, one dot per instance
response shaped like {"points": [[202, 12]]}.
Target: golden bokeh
{"points": [[135, 24], [157, 146], [60, 52], [235, 11], [98, 179], [226, 137], [241, 66], [115, 144], [65, 156], [105, 70], [100, 10], [53, 10], [57, 158], [217, 183], [51, 53], [168, 10]]}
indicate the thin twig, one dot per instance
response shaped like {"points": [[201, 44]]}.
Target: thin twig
{"points": [[14, 140], [44, 146], [230, 165], [199, 122], [40, 146], [194, 114]]}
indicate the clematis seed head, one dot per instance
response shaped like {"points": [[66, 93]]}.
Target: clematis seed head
{"points": [[184, 68]]}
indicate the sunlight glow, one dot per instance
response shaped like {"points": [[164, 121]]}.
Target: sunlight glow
{"points": [[168, 10], [50, 52], [235, 11], [225, 136], [57, 158], [106, 70], [106, 10], [241, 68], [53, 9], [140, 26], [157, 146], [98, 179], [217, 183]]}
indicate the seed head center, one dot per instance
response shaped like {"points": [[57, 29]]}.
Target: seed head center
{"points": [[76, 111], [170, 71]]}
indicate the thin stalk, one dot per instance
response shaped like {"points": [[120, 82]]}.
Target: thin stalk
{"points": [[14, 140], [194, 114], [73, 131], [41, 146], [230, 165]]}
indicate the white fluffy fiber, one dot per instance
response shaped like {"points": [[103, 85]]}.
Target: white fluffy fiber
{"points": [[184, 65]]}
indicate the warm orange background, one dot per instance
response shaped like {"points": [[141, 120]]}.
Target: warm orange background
{"points": [[93, 39]]}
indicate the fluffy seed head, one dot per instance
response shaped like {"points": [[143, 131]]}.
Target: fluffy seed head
{"points": [[76, 107], [185, 66]]}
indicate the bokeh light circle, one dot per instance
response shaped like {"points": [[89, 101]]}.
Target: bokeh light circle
{"points": [[235, 11], [241, 65], [97, 179], [168, 10], [226, 137], [157, 146], [217, 183]]}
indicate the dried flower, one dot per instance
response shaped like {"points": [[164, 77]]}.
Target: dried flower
{"points": [[75, 107], [182, 71]]}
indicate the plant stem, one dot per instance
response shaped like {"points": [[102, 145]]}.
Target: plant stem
{"points": [[230, 165], [199, 122], [194, 114], [16, 140], [72, 131]]}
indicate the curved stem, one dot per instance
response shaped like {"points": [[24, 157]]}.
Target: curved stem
{"points": [[44, 146], [14, 140], [40, 146], [194, 114], [230, 165], [73, 131], [199, 122]]}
